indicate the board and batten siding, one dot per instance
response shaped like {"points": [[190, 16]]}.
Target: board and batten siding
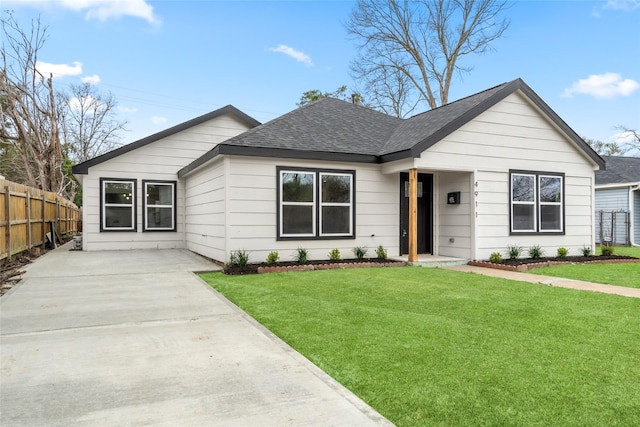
{"points": [[159, 160], [512, 134], [251, 211]]}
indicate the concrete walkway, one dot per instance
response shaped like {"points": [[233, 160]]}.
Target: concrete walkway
{"points": [[134, 338], [549, 280]]}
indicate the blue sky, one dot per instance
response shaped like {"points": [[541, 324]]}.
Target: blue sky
{"points": [[169, 61]]}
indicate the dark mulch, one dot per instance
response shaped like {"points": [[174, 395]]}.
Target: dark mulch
{"points": [[253, 268], [569, 259]]}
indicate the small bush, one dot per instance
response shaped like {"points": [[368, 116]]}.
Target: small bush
{"points": [[562, 252], [359, 252], [302, 255], [586, 251], [606, 250], [535, 252], [514, 251], [239, 258], [273, 257], [381, 252], [334, 255], [495, 257]]}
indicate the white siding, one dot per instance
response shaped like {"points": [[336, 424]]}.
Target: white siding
{"points": [[251, 211], [159, 160], [454, 222], [611, 200], [513, 134], [636, 217]]}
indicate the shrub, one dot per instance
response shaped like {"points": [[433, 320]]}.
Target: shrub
{"points": [[381, 252], [606, 250], [562, 252], [535, 252], [586, 251], [495, 257], [273, 257], [302, 255], [239, 258], [359, 252], [514, 251], [334, 255]]}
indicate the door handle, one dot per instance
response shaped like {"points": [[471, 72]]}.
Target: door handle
{"points": [[404, 233]]}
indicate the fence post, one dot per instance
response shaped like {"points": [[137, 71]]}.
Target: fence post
{"points": [[27, 203], [44, 220], [7, 210]]}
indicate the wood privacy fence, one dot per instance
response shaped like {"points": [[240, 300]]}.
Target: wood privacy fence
{"points": [[26, 214]]}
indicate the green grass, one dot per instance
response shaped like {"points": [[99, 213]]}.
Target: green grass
{"points": [[436, 347], [610, 274]]}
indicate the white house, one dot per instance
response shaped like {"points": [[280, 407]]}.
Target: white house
{"points": [[617, 204], [463, 180]]}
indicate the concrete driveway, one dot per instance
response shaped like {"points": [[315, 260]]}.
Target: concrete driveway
{"points": [[135, 338]]}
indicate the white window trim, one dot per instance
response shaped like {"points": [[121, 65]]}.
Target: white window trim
{"points": [[172, 206], [529, 203], [560, 203], [282, 204], [350, 205], [105, 205]]}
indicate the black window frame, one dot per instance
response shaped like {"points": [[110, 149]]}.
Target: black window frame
{"points": [[104, 205], [145, 228], [537, 203], [317, 204]]}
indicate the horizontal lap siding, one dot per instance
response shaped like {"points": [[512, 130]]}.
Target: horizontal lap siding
{"points": [[513, 135], [159, 160], [252, 210], [454, 221]]}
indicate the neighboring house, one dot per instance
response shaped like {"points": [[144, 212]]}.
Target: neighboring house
{"points": [[493, 169], [618, 201]]}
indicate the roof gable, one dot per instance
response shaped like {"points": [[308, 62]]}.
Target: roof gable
{"points": [[83, 168]]}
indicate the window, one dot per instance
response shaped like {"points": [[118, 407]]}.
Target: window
{"points": [[118, 200], [159, 206], [315, 203], [537, 202]]}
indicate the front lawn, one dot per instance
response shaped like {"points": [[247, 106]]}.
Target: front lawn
{"points": [[436, 347], [610, 274], [623, 250]]}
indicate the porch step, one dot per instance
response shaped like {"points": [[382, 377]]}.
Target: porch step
{"points": [[434, 261]]}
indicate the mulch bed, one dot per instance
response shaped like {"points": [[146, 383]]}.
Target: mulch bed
{"points": [[523, 264], [11, 272], [311, 265]]}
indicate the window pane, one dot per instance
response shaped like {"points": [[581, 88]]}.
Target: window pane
{"points": [[550, 217], [523, 217], [550, 189], [335, 220], [159, 218], [118, 193], [297, 187], [117, 217], [522, 188], [336, 188], [297, 219], [159, 194]]}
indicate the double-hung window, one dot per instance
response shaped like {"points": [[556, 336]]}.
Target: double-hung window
{"points": [[537, 202], [315, 203], [159, 206], [118, 204]]}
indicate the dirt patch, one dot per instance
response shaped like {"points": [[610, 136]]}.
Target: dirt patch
{"points": [[11, 272], [523, 264], [311, 265]]}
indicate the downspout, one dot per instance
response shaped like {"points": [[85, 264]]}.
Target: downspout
{"points": [[632, 225]]}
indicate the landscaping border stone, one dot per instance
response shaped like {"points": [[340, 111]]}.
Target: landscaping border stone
{"points": [[528, 266], [328, 266]]}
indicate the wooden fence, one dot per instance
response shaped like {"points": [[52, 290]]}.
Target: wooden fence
{"points": [[25, 216]]}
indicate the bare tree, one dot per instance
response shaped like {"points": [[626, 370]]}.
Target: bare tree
{"points": [[605, 148], [416, 45], [29, 115], [89, 126], [633, 143]]}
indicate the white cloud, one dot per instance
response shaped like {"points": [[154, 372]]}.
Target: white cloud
{"points": [[59, 70], [622, 138], [92, 80], [295, 54], [157, 120], [617, 5], [87, 102], [127, 109], [101, 10], [607, 85]]}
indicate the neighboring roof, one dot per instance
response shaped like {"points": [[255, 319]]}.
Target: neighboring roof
{"points": [[83, 168], [330, 129], [620, 170]]}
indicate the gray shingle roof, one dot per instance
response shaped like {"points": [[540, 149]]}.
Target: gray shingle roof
{"points": [[619, 170]]}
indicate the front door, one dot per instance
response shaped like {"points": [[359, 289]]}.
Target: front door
{"points": [[425, 213]]}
